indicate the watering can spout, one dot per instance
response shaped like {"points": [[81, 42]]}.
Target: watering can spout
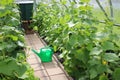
{"points": [[35, 52]]}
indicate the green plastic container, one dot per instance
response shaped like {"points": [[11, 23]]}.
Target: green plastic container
{"points": [[26, 9], [45, 54]]}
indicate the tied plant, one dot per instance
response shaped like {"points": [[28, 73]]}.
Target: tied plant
{"points": [[90, 49], [13, 65]]}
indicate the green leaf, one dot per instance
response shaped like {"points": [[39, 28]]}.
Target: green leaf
{"points": [[35, 28], [63, 1], [103, 77], [85, 0], [73, 39], [55, 48], [100, 36], [81, 39], [107, 45], [82, 55], [94, 62], [90, 46], [10, 46], [117, 42], [71, 24], [95, 51], [21, 44], [65, 19], [93, 73], [101, 68], [63, 54], [62, 20], [11, 67], [14, 38], [110, 57], [119, 54], [116, 74], [2, 47], [6, 2]]}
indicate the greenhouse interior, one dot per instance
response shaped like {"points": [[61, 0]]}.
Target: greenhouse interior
{"points": [[59, 39]]}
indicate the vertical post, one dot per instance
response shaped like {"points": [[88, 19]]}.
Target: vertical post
{"points": [[35, 8]]}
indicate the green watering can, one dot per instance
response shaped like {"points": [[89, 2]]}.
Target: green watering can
{"points": [[45, 54]]}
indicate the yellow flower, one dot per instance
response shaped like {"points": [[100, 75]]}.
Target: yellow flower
{"points": [[104, 62]]}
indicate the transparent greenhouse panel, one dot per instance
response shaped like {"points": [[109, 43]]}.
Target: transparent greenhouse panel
{"points": [[105, 4]]}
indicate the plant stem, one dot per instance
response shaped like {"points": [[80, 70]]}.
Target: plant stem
{"points": [[69, 1], [64, 5], [74, 1]]}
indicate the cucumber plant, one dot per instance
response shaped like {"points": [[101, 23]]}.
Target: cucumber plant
{"points": [[13, 65], [91, 50]]}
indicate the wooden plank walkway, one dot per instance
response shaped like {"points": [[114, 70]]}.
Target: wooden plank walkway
{"points": [[45, 71]]}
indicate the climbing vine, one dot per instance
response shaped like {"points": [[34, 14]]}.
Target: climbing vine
{"points": [[90, 50], [13, 65]]}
